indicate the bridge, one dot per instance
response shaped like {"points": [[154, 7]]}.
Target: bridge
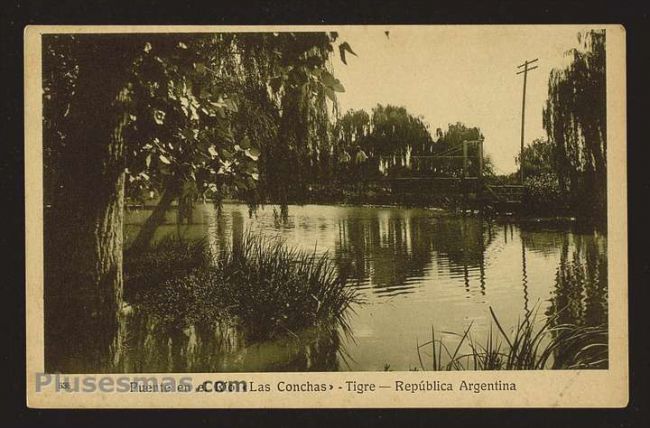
{"points": [[456, 176]]}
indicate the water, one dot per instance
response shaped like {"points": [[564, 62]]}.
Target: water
{"points": [[414, 268]]}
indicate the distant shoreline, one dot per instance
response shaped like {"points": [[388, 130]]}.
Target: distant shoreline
{"points": [[524, 218]]}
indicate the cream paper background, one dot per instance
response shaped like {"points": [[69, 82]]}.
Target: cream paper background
{"points": [[550, 388]]}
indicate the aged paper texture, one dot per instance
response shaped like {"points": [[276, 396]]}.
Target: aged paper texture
{"points": [[326, 216]]}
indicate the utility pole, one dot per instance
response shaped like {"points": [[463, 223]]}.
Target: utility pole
{"points": [[526, 69]]}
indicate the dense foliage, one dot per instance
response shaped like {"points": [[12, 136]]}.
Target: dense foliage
{"points": [[576, 123], [205, 107], [543, 193], [181, 115], [396, 143]]}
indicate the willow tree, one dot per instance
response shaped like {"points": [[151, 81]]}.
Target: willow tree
{"points": [[280, 84], [185, 139], [137, 109], [352, 128], [575, 120], [396, 135], [241, 64], [305, 87], [389, 135]]}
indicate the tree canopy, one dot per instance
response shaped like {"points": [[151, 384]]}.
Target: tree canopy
{"points": [[395, 139], [179, 113], [576, 123]]}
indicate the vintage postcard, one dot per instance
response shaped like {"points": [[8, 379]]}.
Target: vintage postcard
{"points": [[326, 216]]}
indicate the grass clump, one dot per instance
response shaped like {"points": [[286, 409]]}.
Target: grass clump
{"points": [[259, 283], [272, 287], [529, 347]]}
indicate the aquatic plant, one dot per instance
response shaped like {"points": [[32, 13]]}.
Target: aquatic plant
{"points": [[273, 288], [267, 288], [529, 347]]}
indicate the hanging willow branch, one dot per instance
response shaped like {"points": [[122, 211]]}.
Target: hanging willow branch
{"points": [[575, 121]]}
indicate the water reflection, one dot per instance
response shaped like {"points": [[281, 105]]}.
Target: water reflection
{"points": [[414, 269], [580, 298], [392, 251], [154, 346], [580, 295]]}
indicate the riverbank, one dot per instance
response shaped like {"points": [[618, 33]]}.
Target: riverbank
{"points": [[527, 218]]}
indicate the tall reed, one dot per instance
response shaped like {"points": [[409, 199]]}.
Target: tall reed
{"points": [[260, 283], [529, 347], [273, 288]]}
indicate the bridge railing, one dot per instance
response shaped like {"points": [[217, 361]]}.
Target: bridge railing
{"points": [[507, 192], [461, 160]]}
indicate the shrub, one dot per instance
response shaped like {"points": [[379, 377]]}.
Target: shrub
{"points": [[543, 195]]}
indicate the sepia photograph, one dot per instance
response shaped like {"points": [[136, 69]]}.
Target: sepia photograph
{"points": [[355, 199]]}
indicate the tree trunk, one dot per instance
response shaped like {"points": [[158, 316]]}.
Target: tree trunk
{"points": [[157, 217], [83, 229]]}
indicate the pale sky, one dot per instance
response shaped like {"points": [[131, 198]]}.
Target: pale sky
{"points": [[454, 73]]}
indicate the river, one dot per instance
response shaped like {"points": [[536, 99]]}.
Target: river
{"points": [[415, 269]]}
